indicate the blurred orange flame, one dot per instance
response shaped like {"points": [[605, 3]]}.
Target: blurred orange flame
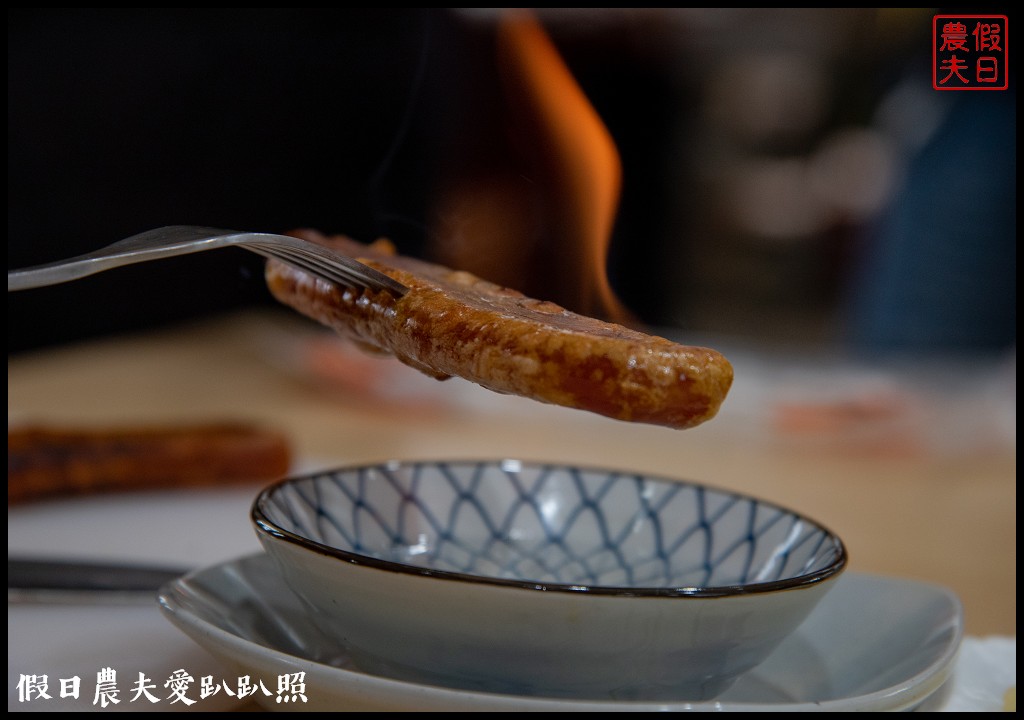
{"points": [[584, 164], [535, 206]]}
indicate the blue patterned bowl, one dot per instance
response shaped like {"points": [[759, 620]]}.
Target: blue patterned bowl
{"points": [[546, 580]]}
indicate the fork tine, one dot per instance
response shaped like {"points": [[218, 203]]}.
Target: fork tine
{"points": [[329, 265], [297, 262], [335, 274]]}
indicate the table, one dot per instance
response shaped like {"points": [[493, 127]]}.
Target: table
{"points": [[914, 465]]}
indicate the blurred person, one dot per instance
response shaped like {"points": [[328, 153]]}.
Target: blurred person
{"points": [[937, 269]]}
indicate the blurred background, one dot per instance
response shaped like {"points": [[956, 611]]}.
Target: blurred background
{"points": [[788, 176]]}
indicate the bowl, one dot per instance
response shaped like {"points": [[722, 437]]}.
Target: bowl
{"points": [[545, 579]]}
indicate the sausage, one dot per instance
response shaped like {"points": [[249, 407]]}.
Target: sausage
{"points": [[44, 461], [452, 323]]}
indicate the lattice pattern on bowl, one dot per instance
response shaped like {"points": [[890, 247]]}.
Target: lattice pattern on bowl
{"points": [[551, 525]]}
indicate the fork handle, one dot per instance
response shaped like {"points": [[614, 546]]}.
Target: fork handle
{"points": [[58, 272], [136, 249]]}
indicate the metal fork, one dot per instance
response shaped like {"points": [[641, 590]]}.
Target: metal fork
{"points": [[184, 239]]}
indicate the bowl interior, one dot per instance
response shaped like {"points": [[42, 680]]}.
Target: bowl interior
{"points": [[550, 525]]}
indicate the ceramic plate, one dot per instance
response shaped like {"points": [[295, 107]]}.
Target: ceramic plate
{"points": [[873, 644]]}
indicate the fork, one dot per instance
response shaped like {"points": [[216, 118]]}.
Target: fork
{"points": [[184, 239]]}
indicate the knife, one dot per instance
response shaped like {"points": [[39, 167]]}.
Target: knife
{"points": [[50, 580]]}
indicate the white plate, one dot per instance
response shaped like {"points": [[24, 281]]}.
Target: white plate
{"points": [[872, 644]]}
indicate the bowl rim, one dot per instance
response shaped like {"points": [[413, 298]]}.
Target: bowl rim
{"points": [[267, 527]]}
